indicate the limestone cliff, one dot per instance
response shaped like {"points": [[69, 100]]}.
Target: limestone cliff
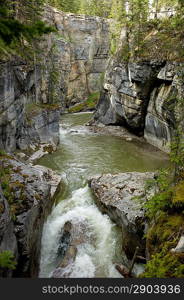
{"points": [[83, 46], [67, 68], [142, 96]]}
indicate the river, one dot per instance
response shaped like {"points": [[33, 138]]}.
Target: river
{"points": [[82, 154]]}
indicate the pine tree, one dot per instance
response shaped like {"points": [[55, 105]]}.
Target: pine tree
{"points": [[20, 22], [99, 8], [66, 5]]}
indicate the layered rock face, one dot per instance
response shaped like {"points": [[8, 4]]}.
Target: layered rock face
{"points": [[162, 116], [66, 70], [83, 42], [22, 121], [143, 97], [26, 199]]}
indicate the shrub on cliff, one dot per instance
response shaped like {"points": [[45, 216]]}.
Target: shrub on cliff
{"points": [[7, 260]]}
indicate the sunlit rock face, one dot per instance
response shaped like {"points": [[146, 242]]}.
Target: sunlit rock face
{"points": [[82, 44]]}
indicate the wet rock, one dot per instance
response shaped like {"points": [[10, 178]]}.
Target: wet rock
{"points": [[121, 197], [44, 149], [161, 117], [126, 93], [72, 235], [30, 197], [64, 239]]}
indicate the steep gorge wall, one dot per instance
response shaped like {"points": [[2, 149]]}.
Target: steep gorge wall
{"points": [[143, 96], [86, 47], [68, 67], [26, 199]]}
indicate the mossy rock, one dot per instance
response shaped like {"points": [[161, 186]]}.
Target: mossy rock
{"points": [[164, 230], [178, 196], [164, 235], [3, 155], [87, 105], [165, 266], [33, 109]]}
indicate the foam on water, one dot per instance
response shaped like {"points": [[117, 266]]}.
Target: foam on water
{"points": [[93, 260]]}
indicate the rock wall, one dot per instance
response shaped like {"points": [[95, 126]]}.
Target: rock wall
{"points": [[83, 41], [142, 96], [67, 68], [23, 122], [25, 202]]}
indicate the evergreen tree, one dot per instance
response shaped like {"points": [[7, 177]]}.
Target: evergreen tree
{"points": [[66, 5], [20, 24], [95, 7]]}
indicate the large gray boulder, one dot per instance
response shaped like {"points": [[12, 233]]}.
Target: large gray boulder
{"points": [[121, 197]]}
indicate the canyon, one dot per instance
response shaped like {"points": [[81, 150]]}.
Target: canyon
{"points": [[138, 110]]}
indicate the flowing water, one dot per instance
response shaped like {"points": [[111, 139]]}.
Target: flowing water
{"points": [[82, 154]]}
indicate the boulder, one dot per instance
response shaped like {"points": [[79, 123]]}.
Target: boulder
{"points": [[72, 236], [121, 197]]}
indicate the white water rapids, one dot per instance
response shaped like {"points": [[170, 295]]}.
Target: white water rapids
{"points": [[92, 260]]}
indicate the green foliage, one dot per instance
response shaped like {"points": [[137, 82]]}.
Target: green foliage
{"points": [[164, 232], [160, 201], [20, 25], [164, 266], [169, 196], [162, 236], [162, 184], [178, 196], [145, 38], [177, 151], [2, 152], [89, 104], [66, 5], [7, 260], [95, 7]]}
